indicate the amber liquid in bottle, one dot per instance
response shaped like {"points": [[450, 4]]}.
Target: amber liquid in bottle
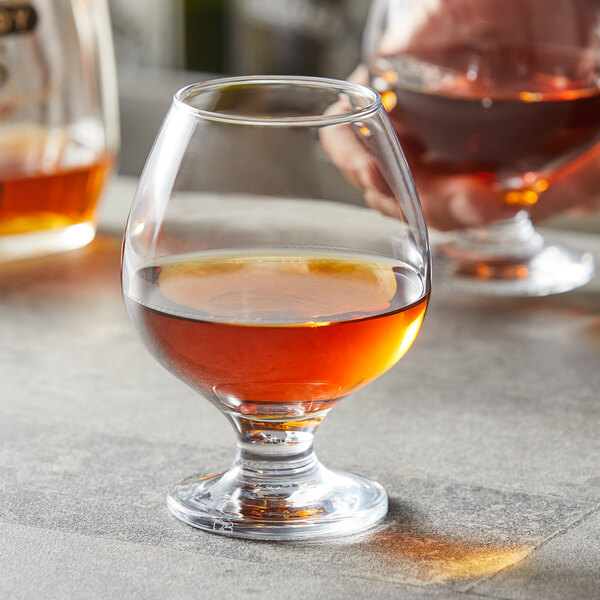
{"points": [[47, 181], [490, 115], [270, 333]]}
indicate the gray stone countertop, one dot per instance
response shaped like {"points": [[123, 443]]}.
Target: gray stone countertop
{"points": [[486, 437]]}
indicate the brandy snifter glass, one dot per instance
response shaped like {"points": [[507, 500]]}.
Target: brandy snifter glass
{"points": [[256, 272], [493, 102]]}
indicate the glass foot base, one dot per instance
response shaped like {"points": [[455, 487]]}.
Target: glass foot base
{"points": [[551, 270], [320, 503], [38, 243]]}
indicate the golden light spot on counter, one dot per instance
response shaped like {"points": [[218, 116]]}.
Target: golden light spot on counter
{"points": [[442, 559]]}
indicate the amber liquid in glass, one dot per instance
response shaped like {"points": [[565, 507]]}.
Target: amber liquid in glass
{"points": [[261, 329], [38, 193], [490, 115]]}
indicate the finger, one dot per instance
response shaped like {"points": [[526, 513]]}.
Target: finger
{"points": [[348, 153], [384, 203], [575, 187], [360, 75], [461, 202]]}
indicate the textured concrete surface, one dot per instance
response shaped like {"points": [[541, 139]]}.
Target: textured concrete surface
{"points": [[486, 436]]}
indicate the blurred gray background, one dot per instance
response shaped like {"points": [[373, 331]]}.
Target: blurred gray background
{"points": [[162, 46]]}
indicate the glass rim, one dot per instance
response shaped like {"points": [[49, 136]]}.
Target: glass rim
{"points": [[181, 97]]}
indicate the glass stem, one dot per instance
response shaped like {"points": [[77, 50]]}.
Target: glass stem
{"points": [[270, 450], [515, 238]]}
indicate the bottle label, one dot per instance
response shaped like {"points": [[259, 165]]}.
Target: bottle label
{"points": [[17, 18]]}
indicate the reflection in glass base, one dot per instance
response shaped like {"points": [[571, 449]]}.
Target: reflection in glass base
{"points": [[552, 269], [39, 243], [275, 506]]}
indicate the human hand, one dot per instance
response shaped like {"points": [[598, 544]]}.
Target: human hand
{"points": [[452, 201]]}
